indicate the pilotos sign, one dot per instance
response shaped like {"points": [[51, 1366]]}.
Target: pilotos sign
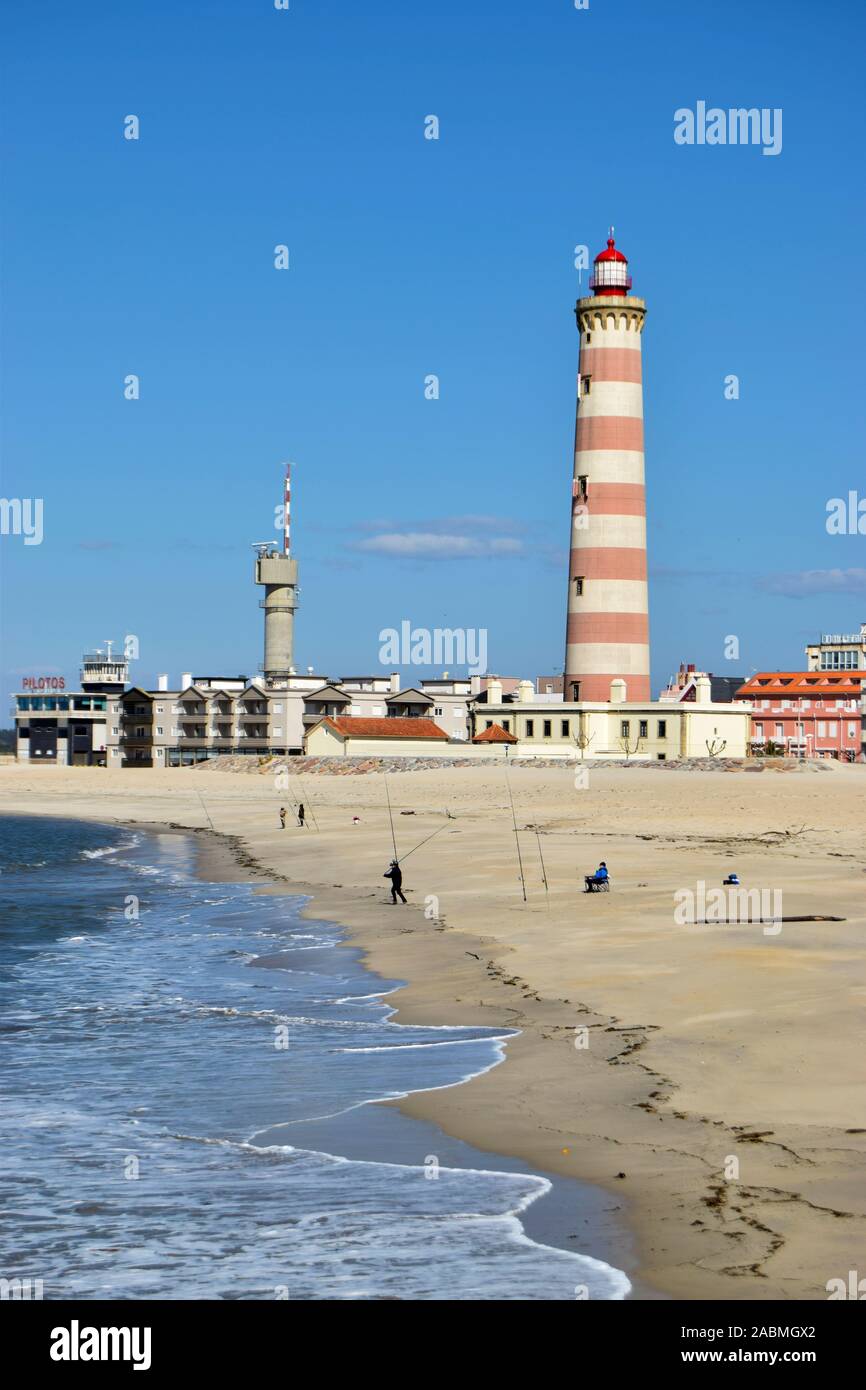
{"points": [[44, 683]]}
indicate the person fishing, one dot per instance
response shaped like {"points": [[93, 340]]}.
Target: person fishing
{"points": [[595, 880], [282, 817], [395, 873]]}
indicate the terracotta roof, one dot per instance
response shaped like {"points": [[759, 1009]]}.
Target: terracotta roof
{"points": [[837, 683], [357, 727], [495, 734]]}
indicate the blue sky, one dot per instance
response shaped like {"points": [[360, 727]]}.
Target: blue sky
{"points": [[410, 257]]}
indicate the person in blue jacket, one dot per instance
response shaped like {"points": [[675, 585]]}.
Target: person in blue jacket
{"points": [[600, 876]]}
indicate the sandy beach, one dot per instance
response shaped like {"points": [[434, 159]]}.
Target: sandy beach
{"points": [[710, 1078]]}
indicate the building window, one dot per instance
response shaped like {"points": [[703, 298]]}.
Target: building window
{"points": [[663, 728], [139, 733], [779, 731], [759, 731], [506, 724], [625, 728], [662, 757], [839, 660], [578, 586], [438, 711], [115, 729], [159, 728], [530, 728], [822, 728], [546, 728], [565, 728], [488, 723], [643, 728]]}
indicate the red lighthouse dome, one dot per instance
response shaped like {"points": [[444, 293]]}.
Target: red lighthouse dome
{"points": [[611, 271]]}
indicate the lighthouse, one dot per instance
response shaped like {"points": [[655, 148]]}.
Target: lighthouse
{"points": [[607, 627]]}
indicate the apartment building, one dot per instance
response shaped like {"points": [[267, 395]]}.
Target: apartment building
{"points": [[807, 714], [209, 715]]}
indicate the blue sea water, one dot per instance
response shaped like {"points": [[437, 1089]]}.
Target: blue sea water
{"points": [[158, 1087]]}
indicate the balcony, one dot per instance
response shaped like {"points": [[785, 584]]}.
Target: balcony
{"points": [[197, 712], [259, 713]]}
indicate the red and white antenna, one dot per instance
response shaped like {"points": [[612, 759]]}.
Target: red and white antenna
{"points": [[287, 512]]}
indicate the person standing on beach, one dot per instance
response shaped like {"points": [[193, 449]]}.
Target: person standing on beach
{"points": [[282, 817], [395, 873], [300, 813]]}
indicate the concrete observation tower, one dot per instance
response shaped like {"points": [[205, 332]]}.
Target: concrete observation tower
{"points": [[277, 572], [607, 627]]}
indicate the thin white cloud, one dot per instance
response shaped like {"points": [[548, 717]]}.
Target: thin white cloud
{"points": [[434, 545], [803, 583]]}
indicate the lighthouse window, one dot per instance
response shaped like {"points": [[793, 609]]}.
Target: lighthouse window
{"points": [[586, 385], [578, 586], [589, 338]]}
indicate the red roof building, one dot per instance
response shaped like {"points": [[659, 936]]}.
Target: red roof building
{"points": [[808, 714], [495, 734], [353, 726]]}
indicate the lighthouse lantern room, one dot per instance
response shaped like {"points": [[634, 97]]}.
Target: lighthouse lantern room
{"points": [[611, 271]]}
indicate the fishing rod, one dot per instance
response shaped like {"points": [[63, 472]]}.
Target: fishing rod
{"points": [[390, 814], [543, 870], [307, 799], [206, 811], [423, 842], [516, 836]]}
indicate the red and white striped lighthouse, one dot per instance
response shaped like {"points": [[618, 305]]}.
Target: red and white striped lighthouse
{"points": [[607, 631]]}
